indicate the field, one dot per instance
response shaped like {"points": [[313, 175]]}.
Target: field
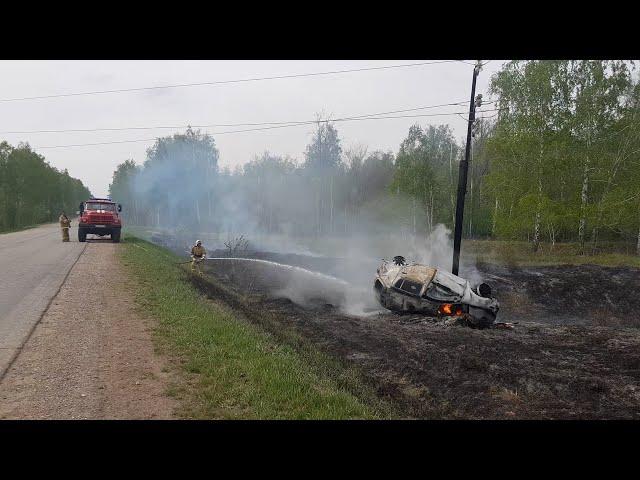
{"points": [[520, 254], [573, 354]]}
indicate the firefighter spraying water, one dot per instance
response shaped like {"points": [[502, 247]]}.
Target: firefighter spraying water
{"points": [[198, 254]]}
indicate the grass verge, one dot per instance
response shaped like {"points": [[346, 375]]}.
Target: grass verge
{"points": [[241, 370], [22, 228], [516, 253]]}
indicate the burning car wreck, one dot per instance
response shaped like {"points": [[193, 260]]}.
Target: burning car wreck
{"points": [[414, 288]]}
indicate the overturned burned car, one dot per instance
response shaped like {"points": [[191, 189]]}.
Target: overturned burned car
{"points": [[414, 288]]}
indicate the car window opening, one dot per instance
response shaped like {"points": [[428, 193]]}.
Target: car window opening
{"points": [[438, 292], [408, 286]]}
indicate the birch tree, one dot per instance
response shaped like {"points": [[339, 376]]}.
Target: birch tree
{"points": [[598, 87]]}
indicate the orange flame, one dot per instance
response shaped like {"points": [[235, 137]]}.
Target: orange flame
{"points": [[446, 308]]}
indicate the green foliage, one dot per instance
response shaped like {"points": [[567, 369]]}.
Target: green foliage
{"points": [[560, 162], [173, 182], [565, 142], [324, 151], [31, 191], [270, 194], [426, 170], [122, 189], [265, 180]]}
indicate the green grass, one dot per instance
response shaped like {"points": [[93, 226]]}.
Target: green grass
{"points": [[238, 370], [21, 228], [520, 253]]}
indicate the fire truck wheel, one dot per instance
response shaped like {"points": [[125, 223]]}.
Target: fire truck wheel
{"points": [[115, 236]]}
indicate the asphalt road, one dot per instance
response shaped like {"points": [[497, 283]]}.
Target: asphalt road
{"points": [[33, 266]]}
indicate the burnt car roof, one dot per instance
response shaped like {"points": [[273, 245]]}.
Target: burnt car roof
{"points": [[422, 288], [418, 273]]}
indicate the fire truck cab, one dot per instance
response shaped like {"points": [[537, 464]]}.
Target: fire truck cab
{"points": [[99, 216]]}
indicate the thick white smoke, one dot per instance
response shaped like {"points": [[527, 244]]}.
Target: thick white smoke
{"points": [[282, 208]]}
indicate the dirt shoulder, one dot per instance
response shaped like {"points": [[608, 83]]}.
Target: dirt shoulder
{"points": [[91, 356]]}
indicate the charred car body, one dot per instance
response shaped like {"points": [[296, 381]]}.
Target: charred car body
{"points": [[414, 288]]}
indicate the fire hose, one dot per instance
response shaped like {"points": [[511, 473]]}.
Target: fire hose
{"points": [[189, 261]]}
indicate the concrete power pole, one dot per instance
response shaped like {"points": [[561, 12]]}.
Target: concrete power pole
{"points": [[462, 175]]}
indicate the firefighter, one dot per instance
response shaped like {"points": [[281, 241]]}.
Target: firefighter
{"points": [[198, 254], [65, 223]]}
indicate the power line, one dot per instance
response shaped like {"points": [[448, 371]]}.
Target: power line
{"points": [[224, 82], [345, 119], [112, 129]]}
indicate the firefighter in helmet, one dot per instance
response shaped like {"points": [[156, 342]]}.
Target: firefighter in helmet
{"points": [[198, 254], [65, 224]]}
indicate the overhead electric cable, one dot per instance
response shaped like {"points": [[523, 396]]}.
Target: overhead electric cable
{"points": [[345, 119], [113, 129], [224, 82]]}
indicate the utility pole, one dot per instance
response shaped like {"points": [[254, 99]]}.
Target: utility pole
{"points": [[462, 175]]}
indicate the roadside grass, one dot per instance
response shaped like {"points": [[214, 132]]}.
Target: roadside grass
{"points": [[20, 229], [135, 231], [239, 370]]}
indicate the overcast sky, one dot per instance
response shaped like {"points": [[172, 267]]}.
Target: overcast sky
{"points": [[281, 100]]}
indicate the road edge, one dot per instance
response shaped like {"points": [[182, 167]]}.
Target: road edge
{"points": [[4, 372]]}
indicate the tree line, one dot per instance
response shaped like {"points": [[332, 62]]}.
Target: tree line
{"points": [[32, 191], [564, 152], [558, 161]]}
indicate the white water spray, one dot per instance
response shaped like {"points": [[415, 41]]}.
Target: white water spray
{"points": [[304, 286]]}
